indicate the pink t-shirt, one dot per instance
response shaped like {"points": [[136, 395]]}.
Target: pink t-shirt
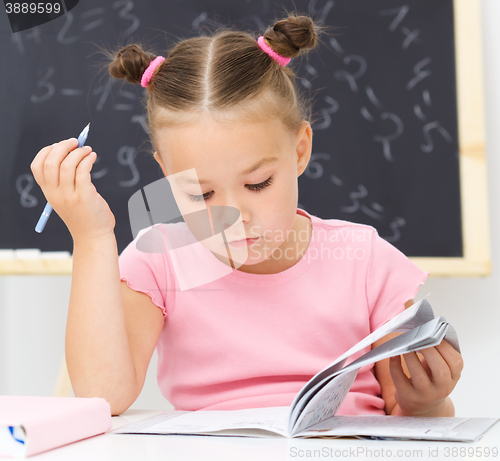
{"points": [[245, 340]]}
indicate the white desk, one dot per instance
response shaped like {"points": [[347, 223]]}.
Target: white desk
{"points": [[124, 447]]}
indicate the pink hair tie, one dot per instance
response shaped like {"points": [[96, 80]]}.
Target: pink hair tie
{"points": [[277, 57], [148, 73]]}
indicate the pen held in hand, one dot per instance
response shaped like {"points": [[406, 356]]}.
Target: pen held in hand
{"points": [[48, 208]]}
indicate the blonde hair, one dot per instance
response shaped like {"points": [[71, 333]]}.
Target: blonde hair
{"points": [[226, 75]]}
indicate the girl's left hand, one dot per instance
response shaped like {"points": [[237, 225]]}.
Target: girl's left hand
{"points": [[432, 378]]}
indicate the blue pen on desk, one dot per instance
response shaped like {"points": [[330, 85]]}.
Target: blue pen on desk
{"points": [[48, 208]]}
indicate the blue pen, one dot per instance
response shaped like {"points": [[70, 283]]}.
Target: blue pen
{"points": [[48, 209]]}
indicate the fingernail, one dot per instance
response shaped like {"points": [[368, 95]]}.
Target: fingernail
{"points": [[72, 139]]}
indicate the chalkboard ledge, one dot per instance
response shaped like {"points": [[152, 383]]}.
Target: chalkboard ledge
{"points": [[41, 266]]}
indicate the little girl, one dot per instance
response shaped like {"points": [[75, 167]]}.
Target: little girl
{"points": [[246, 317]]}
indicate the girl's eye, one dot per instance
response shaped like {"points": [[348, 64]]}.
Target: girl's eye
{"points": [[253, 187]]}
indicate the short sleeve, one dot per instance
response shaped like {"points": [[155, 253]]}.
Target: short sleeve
{"points": [[145, 271], [391, 280]]}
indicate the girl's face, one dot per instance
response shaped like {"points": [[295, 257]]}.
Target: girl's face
{"points": [[250, 167]]}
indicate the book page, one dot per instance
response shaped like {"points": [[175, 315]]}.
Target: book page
{"points": [[452, 338], [139, 427], [417, 314], [421, 428], [415, 339], [325, 403], [426, 335], [196, 422], [318, 404], [406, 320]]}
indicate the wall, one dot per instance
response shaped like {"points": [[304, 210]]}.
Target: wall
{"points": [[33, 309]]}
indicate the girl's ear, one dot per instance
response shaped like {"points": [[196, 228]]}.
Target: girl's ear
{"points": [[159, 160], [303, 146]]}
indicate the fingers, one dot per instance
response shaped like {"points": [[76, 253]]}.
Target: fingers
{"points": [[52, 163], [37, 164], [58, 166], [419, 376], [399, 378], [424, 364], [69, 166], [452, 357], [441, 373], [82, 174]]}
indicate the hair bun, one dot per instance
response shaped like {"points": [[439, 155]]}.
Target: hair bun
{"points": [[130, 63], [292, 34]]}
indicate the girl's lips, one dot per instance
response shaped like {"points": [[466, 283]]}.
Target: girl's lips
{"points": [[244, 242]]}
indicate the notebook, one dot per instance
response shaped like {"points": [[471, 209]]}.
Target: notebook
{"points": [[32, 424]]}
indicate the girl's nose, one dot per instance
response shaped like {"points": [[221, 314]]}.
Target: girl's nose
{"points": [[224, 216]]}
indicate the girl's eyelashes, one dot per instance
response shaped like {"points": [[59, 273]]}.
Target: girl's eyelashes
{"points": [[259, 187], [252, 187]]}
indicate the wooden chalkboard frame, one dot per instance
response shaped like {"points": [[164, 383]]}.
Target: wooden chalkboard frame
{"points": [[472, 163]]}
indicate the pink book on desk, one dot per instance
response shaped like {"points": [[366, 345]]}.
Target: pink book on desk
{"points": [[30, 425]]}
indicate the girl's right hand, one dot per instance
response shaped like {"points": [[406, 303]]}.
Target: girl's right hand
{"points": [[66, 183]]}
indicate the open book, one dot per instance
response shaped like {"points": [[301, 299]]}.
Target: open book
{"points": [[312, 413]]}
